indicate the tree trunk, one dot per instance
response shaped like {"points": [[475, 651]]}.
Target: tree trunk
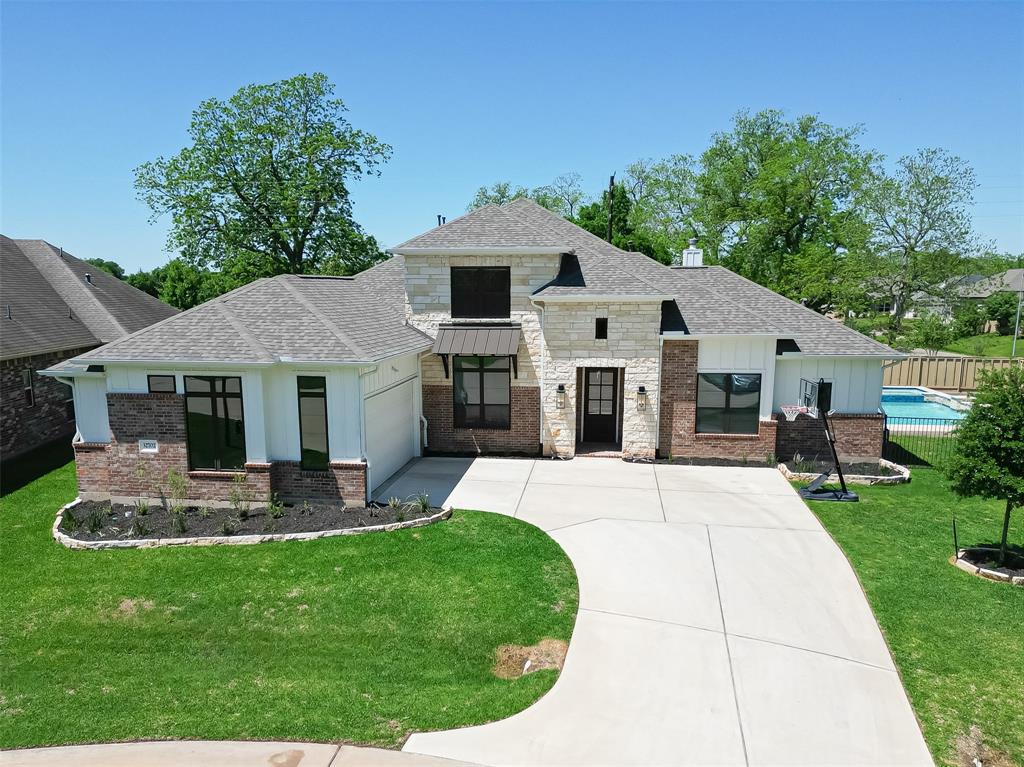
{"points": [[899, 306], [1006, 532]]}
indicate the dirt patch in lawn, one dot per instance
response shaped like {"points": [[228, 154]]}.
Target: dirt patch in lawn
{"points": [[972, 751], [515, 660], [129, 608], [101, 521]]}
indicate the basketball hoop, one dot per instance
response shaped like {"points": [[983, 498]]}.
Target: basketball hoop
{"points": [[792, 411], [809, 397]]}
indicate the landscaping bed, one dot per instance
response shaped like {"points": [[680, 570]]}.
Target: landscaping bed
{"points": [[355, 639], [103, 521], [984, 561], [880, 472]]}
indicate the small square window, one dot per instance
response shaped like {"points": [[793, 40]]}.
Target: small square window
{"points": [[601, 327], [161, 384]]}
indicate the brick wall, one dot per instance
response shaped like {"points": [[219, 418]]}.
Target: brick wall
{"points": [[23, 428], [344, 480], [677, 432], [523, 438], [859, 436]]}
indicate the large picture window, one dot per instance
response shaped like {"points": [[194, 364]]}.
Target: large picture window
{"points": [[482, 392], [728, 403], [313, 422], [216, 426], [481, 292]]}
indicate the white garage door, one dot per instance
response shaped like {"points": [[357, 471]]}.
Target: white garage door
{"points": [[390, 430]]}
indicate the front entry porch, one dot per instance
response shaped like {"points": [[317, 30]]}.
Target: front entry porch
{"points": [[599, 411]]}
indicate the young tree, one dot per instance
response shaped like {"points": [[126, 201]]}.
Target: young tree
{"points": [[988, 456], [931, 333], [266, 180], [920, 225]]}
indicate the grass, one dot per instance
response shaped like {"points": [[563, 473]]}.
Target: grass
{"points": [[910, 449], [358, 639], [986, 345], [958, 640]]}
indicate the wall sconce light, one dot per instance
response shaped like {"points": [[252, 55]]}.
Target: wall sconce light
{"points": [[641, 398], [560, 397]]}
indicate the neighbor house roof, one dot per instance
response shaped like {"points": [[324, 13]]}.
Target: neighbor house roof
{"points": [[1010, 280], [288, 318], [52, 301]]}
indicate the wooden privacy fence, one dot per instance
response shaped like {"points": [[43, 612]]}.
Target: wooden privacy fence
{"points": [[949, 373]]}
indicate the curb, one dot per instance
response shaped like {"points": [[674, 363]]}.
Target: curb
{"points": [[854, 479], [984, 572], [236, 540]]}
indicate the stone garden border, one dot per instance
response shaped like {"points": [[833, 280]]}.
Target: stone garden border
{"points": [[854, 479], [984, 572], [232, 540]]}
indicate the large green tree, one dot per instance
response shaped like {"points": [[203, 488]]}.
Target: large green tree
{"points": [[563, 196], [775, 201], [663, 198], [919, 227], [264, 187], [110, 267], [617, 204]]}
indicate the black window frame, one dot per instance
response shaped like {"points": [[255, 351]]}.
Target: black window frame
{"points": [[149, 384], [217, 398], [728, 413], [601, 328], [459, 415], [472, 299], [305, 464], [28, 386]]}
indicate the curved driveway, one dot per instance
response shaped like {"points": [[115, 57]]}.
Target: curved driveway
{"points": [[718, 624]]}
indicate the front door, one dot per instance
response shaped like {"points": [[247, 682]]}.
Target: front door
{"points": [[599, 398]]}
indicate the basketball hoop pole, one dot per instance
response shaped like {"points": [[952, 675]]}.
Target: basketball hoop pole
{"points": [[814, 491]]}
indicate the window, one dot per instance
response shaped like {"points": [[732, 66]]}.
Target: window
{"points": [[728, 403], [29, 387], [601, 328], [313, 422], [482, 392], [824, 396], [69, 409], [160, 384], [216, 426], [481, 292]]}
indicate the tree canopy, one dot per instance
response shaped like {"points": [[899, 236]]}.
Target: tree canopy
{"points": [[263, 188]]}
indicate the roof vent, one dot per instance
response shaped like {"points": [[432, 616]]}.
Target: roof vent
{"points": [[692, 256], [441, 219], [88, 278]]}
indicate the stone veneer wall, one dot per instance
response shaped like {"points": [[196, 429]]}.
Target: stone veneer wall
{"points": [[859, 436], [678, 435], [120, 470], [632, 344], [22, 427], [521, 439]]}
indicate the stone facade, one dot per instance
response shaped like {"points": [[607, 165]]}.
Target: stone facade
{"points": [[522, 438], [859, 436], [678, 435], [119, 470], [49, 418]]}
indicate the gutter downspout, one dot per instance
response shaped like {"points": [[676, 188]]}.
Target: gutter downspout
{"points": [[543, 377]]}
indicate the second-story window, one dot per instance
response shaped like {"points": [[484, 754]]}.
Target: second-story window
{"points": [[481, 292]]}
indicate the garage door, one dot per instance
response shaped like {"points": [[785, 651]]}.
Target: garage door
{"points": [[390, 426]]}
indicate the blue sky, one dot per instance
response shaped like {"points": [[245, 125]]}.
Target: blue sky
{"points": [[473, 93]]}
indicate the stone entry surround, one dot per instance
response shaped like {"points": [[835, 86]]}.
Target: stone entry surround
{"points": [[120, 471]]}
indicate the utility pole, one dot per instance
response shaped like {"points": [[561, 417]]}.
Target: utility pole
{"points": [[611, 197]]}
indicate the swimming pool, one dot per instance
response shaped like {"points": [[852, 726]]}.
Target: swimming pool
{"points": [[904, 404]]}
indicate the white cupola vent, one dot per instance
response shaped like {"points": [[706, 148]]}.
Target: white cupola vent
{"points": [[692, 256]]}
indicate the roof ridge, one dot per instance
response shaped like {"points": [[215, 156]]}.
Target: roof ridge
{"points": [[315, 311], [446, 223], [240, 328], [63, 265], [590, 235], [798, 305]]}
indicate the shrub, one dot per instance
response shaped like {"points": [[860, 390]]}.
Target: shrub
{"points": [[931, 332], [968, 320], [240, 497], [422, 504], [1001, 308], [69, 521], [988, 454], [138, 528], [275, 509], [95, 521]]}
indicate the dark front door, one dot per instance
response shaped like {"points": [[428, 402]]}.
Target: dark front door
{"points": [[599, 404]]}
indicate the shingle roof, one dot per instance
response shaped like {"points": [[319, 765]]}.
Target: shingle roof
{"points": [[491, 226], [54, 308], [288, 318], [1010, 280]]}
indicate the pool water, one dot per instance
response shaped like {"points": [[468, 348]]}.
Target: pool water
{"points": [[902, 405]]}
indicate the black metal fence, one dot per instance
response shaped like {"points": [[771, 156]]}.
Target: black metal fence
{"points": [[919, 441]]}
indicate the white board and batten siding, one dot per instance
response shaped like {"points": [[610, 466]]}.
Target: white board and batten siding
{"points": [[741, 354], [392, 416], [856, 382]]}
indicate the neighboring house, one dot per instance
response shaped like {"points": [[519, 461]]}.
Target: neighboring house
{"points": [[54, 307], [507, 331], [1010, 281]]}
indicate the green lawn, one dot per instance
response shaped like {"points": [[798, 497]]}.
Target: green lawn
{"points": [[957, 639], [986, 345], [358, 639]]}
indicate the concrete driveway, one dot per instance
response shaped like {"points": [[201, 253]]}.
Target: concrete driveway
{"points": [[719, 623]]}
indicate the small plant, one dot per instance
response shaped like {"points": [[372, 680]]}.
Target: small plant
{"points": [[95, 521], [69, 522], [141, 507], [270, 526], [275, 509], [228, 527], [240, 497], [396, 505], [422, 503], [205, 512], [306, 509], [177, 487], [772, 460], [803, 465], [178, 524], [138, 528], [400, 514]]}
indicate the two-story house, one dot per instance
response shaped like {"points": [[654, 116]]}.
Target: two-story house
{"points": [[507, 331]]}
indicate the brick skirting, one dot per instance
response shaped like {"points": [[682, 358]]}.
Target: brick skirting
{"points": [[523, 438], [342, 480], [859, 436]]}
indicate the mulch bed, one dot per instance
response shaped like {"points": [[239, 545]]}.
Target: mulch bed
{"points": [[755, 463], [989, 559], [863, 469], [101, 521]]}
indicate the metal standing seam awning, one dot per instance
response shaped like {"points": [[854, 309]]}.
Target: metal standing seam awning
{"points": [[478, 340]]}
